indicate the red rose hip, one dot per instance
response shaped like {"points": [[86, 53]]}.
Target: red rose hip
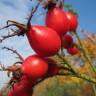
{"points": [[44, 40], [57, 20], [67, 41], [73, 51], [22, 88], [73, 22], [35, 67]]}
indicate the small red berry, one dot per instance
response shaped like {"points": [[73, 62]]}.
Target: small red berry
{"points": [[73, 22], [22, 88], [67, 41], [73, 51]]}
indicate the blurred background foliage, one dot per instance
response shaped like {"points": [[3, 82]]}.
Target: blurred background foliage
{"points": [[63, 86]]}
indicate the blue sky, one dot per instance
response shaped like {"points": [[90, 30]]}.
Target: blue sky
{"points": [[19, 9]]}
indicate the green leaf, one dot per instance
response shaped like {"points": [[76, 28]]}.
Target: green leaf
{"points": [[66, 6], [73, 11]]}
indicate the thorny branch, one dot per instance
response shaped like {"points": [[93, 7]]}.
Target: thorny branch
{"points": [[63, 59], [14, 51], [88, 35], [12, 68], [32, 13], [8, 36], [18, 25]]}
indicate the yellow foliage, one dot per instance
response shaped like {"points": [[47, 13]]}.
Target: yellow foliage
{"points": [[90, 46]]}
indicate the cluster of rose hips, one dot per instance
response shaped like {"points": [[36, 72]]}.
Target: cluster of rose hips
{"points": [[45, 41]]}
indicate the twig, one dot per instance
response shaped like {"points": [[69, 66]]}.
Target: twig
{"points": [[12, 68], [22, 27], [88, 59], [88, 35], [32, 13], [65, 62], [84, 52], [14, 51], [83, 77], [13, 23], [8, 36], [20, 31], [2, 67]]}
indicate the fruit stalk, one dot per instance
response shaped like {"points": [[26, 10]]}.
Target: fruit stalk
{"points": [[85, 77]]}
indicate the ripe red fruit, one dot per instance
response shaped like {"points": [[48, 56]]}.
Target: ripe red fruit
{"points": [[23, 93], [57, 20], [73, 22], [44, 40], [12, 93], [22, 88], [73, 51], [35, 67], [67, 41]]}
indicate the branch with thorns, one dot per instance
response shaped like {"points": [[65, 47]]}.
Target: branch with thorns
{"points": [[15, 70], [15, 52], [12, 68], [8, 36], [32, 13], [22, 29], [88, 35]]}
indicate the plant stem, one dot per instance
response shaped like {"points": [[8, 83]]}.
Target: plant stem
{"points": [[62, 48], [84, 52], [76, 74], [85, 77], [81, 76], [66, 62], [88, 60], [62, 51]]}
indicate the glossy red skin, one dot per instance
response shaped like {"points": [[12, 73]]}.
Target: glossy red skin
{"points": [[73, 22], [35, 67], [44, 40], [67, 41], [72, 51], [57, 20], [19, 93], [22, 88]]}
